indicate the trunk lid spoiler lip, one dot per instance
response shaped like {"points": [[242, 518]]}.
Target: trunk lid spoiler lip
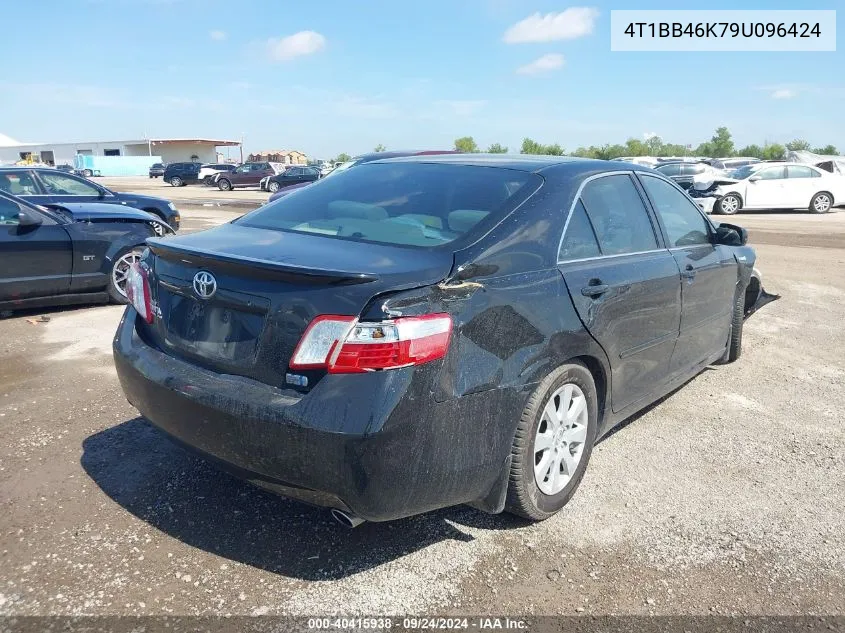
{"points": [[267, 268]]}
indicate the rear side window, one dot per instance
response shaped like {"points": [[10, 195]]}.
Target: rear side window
{"points": [[618, 215], [407, 204], [579, 240], [18, 183], [800, 171]]}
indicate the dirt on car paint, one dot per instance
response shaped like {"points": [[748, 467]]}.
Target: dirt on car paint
{"points": [[724, 498]]}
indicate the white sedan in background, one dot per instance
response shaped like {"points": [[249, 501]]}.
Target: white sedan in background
{"points": [[780, 186]]}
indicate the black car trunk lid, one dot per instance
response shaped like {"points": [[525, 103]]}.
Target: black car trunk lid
{"points": [[238, 299]]}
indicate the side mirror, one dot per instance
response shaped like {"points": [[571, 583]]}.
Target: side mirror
{"points": [[754, 179], [731, 235], [28, 220]]}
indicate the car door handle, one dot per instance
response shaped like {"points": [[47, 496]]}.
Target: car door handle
{"points": [[594, 290], [689, 272]]}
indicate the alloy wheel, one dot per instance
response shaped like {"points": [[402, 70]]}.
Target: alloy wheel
{"points": [[560, 437], [120, 270], [729, 204], [822, 203], [274, 187]]}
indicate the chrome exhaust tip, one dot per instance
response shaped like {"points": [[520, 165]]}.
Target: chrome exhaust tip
{"points": [[346, 519]]}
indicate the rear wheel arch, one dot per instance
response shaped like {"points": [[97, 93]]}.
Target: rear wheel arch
{"points": [[820, 193], [600, 379]]}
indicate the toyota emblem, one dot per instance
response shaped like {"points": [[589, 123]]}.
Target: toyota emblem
{"points": [[205, 285]]}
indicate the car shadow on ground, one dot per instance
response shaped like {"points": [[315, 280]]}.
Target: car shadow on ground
{"points": [[190, 500]]}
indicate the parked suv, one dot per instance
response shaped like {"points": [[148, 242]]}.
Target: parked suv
{"points": [[208, 171], [45, 185], [157, 170], [247, 175], [180, 174]]}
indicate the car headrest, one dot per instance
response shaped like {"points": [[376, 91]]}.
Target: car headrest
{"points": [[462, 220], [360, 210]]}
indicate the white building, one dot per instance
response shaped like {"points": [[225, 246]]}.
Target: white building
{"points": [[169, 150]]}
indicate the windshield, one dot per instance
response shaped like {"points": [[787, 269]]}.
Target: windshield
{"points": [[741, 173], [407, 204]]}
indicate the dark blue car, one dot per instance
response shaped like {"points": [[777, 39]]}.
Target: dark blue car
{"points": [[43, 185], [428, 331], [69, 253]]}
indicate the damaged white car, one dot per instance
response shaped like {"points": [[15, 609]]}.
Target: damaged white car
{"points": [[771, 186]]}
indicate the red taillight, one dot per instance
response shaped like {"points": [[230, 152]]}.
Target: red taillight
{"points": [[344, 345], [138, 292]]}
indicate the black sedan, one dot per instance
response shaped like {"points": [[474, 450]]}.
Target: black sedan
{"points": [[70, 253], [427, 331], [43, 185], [291, 176]]}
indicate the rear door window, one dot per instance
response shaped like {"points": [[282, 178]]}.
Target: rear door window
{"points": [[19, 183], [800, 171], [618, 215], [409, 204]]}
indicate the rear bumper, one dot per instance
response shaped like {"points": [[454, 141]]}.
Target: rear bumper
{"points": [[377, 445]]}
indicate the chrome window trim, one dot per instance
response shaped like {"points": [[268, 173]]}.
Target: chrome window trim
{"points": [[646, 204], [589, 259]]}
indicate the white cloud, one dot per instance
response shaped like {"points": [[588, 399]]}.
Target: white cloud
{"points": [[784, 93], [567, 25], [647, 136], [217, 36], [296, 45], [544, 64]]}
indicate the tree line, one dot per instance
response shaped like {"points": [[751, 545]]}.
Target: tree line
{"points": [[720, 145]]}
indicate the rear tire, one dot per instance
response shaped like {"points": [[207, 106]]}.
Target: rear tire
{"points": [[120, 268], [575, 435], [175, 181], [87, 173], [224, 185], [822, 202]]}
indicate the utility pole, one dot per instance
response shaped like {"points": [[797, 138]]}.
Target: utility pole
{"points": [[242, 149]]}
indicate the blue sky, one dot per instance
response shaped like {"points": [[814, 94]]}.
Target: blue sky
{"points": [[330, 76]]}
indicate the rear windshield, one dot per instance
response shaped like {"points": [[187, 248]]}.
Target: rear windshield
{"points": [[406, 204]]}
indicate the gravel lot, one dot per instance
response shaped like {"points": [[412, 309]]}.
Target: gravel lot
{"points": [[727, 497]]}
